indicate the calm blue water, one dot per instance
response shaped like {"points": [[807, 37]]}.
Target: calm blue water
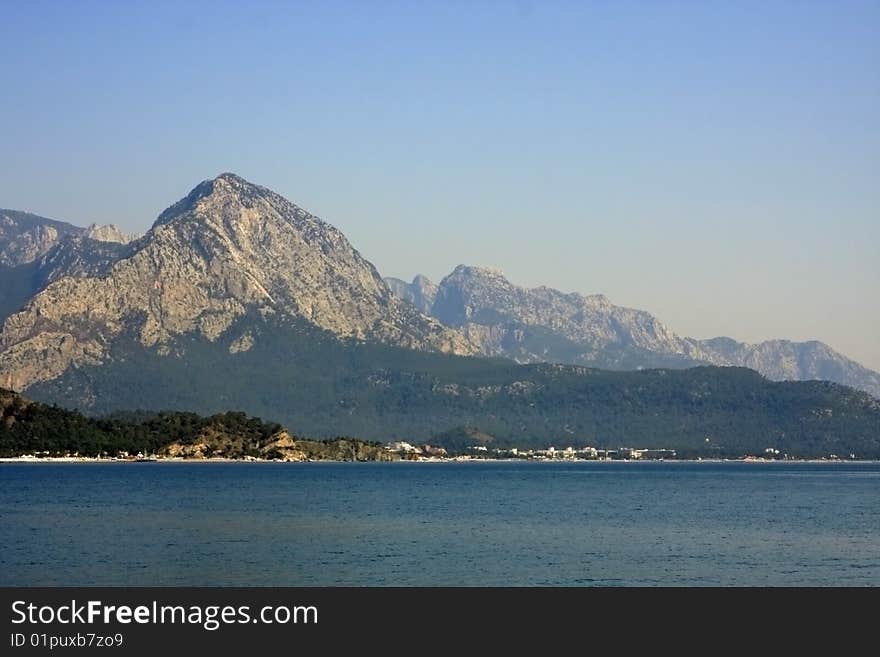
{"points": [[440, 524]]}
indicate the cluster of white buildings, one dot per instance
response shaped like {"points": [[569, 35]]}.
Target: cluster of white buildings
{"points": [[409, 449], [550, 453], [580, 453]]}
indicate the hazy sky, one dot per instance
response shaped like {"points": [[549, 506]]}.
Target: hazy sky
{"points": [[715, 163]]}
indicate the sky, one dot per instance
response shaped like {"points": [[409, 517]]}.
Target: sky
{"points": [[714, 163]]}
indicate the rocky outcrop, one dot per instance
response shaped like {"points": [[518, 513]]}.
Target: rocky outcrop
{"points": [[288, 448], [420, 293], [282, 446], [108, 233], [227, 249], [72, 255], [34, 251]]}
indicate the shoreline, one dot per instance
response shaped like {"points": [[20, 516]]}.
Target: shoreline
{"points": [[91, 459]]}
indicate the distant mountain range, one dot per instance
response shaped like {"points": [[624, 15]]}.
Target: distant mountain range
{"points": [[546, 325], [238, 299]]}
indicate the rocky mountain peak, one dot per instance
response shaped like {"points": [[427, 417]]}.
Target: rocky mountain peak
{"points": [[228, 249], [474, 273], [107, 233], [224, 186], [534, 324], [468, 291], [420, 293]]}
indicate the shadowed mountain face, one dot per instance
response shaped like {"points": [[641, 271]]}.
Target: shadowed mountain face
{"points": [[228, 248], [543, 324], [35, 251]]}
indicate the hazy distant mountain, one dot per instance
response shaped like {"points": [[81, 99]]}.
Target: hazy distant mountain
{"points": [[543, 324], [420, 293], [108, 233], [784, 360], [228, 249]]}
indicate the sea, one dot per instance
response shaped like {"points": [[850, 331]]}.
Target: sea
{"points": [[506, 523]]}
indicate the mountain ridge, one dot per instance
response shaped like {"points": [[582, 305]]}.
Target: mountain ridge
{"points": [[543, 324]]}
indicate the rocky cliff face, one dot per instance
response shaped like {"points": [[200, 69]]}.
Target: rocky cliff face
{"points": [[108, 233], [543, 324], [35, 251], [24, 237], [420, 293], [72, 255], [227, 249]]}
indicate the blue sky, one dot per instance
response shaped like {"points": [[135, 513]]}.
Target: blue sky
{"points": [[715, 163]]}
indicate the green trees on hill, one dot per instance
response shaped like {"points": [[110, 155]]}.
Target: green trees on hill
{"points": [[29, 428]]}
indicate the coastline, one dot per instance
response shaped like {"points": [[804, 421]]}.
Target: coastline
{"points": [[90, 459]]}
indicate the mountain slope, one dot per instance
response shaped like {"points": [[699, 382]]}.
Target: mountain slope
{"points": [[35, 251], [24, 237], [317, 384], [228, 248], [543, 324], [72, 255]]}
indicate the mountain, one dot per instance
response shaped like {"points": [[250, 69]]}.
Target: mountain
{"points": [[786, 360], [420, 293], [542, 324], [72, 255], [227, 249], [35, 251], [24, 237]]}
